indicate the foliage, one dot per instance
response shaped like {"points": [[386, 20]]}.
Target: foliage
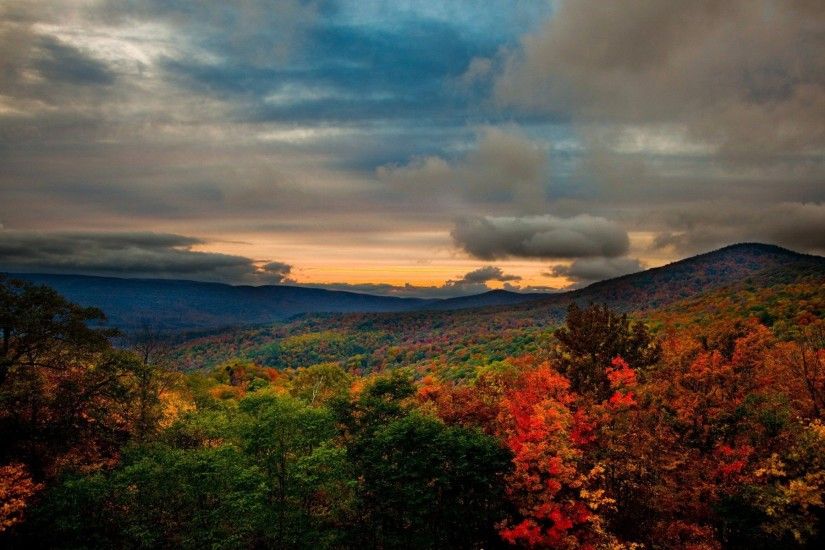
{"points": [[428, 430]]}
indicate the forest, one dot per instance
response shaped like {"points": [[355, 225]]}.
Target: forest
{"points": [[698, 424]]}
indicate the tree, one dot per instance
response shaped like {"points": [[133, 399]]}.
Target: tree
{"points": [[805, 361], [589, 341], [66, 396], [16, 490], [427, 485], [319, 383], [42, 330], [151, 376], [280, 434], [158, 497], [552, 492]]}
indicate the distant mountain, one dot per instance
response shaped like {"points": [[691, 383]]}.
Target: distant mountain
{"points": [[177, 305], [760, 264], [188, 305], [485, 299]]}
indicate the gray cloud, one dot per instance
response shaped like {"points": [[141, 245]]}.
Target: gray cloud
{"points": [[139, 254], [166, 255], [703, 226], [38, 71], [484, 274], [546, 236], [266, 120], [588, 270], [748, 79], [277, 271], [475, 282], [504, 167]]}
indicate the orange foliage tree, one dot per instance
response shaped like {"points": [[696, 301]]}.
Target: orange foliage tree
{"points": [[550, 490]]}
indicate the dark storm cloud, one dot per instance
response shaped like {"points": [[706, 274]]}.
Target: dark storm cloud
{"points": [[588, 270], [136, 254], [547, 236]]}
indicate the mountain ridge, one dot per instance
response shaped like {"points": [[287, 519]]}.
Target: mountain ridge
{"points": [[182, 305]]}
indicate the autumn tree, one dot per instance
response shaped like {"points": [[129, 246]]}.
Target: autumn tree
{"points": [[805, 362], [16, 491], [153, 374], [66, 396], [557, 501], [319, 383]]}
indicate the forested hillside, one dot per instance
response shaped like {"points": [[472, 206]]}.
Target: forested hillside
{"points": [[777, 286], [690, 419]]}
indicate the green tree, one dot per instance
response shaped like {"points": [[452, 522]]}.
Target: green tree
{"points": [[159, 497], [427, 485], [291, 443], [591, 339], [40, 329]]}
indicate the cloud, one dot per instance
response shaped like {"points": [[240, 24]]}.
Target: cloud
{"points": [[582, 236], [259, 32], [164, 112], [167, 255], [473, 282], [484, 274], [267, 121], [702, 226], [478, 70], [39, 72], [588, 270], [343, 75], [748, 79], [504, 167], [276, 271], [137, 254]]}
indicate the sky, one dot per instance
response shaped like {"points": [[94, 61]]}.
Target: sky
{"points": [[406, 147]]}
